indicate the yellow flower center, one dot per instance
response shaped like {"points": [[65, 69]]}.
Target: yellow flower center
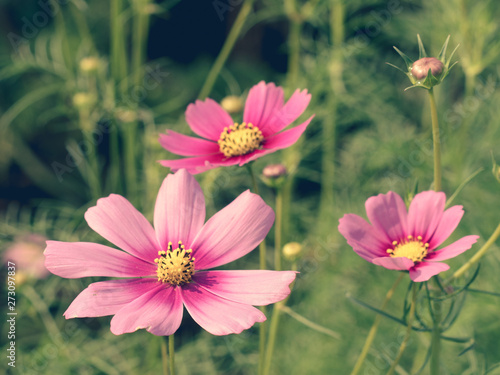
{"points": [[240, 139], [175, 266], [413, 249]]}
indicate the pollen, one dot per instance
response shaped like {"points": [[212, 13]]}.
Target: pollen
{"points": [[175, 266], [240, 139], [411, 248]]}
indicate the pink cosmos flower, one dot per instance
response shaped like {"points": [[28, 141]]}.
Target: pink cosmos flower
{"points": [[401, 240], [228, 143], [163, 269]]}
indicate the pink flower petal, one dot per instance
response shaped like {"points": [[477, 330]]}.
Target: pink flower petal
{"points": [[448, 223], [184, 145], [387, 213], [286, 138], [262, 103], [159, 311], [107, 297], [201, 163], [426, 210], [115, 219], [233, 232], [179, 210], [293, 108], [217, 315], [207, 119], [363, 238], [396, 263], [423, 271], [452, 250], [81, 259], [260, 287]]}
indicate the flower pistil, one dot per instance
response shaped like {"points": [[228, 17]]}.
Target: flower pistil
{"points": [[240, 139], [175, 266], [411, 248]]}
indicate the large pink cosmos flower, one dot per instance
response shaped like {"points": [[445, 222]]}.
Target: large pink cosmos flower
{"points": [[401, 240], [165, 268], [227, 143]]}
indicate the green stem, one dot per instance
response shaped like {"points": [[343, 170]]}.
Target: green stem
{"points": [[374, 328], [436, 338], [436, 142], [171, 353], [278, 229], [402, 347], [164, 357], [226, 49], [273, 330], [478, 255], [118, 56], [308, 323]]}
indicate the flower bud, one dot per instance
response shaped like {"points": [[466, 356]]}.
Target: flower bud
{"points": [[26, 252], [292, 250], [420, 68], [126, 115], [274, 171], [83, 100], [89, 64], [232, 104]]}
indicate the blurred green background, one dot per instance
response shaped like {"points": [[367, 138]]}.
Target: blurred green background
{"points": [[87, 86]]}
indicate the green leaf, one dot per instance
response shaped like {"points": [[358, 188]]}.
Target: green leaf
{"points": [[421, 49], [462, 185], [442, 53], [398, 68], [408, 61]]}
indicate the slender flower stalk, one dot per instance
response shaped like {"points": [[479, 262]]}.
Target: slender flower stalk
{"points": [[436, 141], [226, 49], [436, 337], [278, 229], [164, 356], [307, 322], [374, 328], [478, 255], [171, 353], [273, 330], [411, 316]]}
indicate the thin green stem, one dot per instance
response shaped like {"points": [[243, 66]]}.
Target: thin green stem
{"points": [[374, 328], [308, 323], [278, 230], [436, 141], [118, 56], [478, 255], [436, 338], [273, 330], [171, 353], [402, 347], [164, 357], [226, 49]]}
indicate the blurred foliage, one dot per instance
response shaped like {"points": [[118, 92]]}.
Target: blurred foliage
{"points": [[73, 131]]}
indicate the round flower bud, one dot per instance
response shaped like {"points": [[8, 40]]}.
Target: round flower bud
{"points": [[274, 171], [126, 115], [292, 250], [83, 100], [421, 67], [232, 104], [89, 64]]}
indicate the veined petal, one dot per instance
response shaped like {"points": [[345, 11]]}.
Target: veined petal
{"points": [[233, 232], [115, 219], [292, 109], [286, 138], [159, 311], [200, 164], [424, 215], [263, 101], [207, 119], [452, 250], [252, 287], [448, 223], [387, 213], [423, 271], [217, 315], [179, 210], [82, 259], [184, 145], [396, 263], [362, 237], [107, 297]]}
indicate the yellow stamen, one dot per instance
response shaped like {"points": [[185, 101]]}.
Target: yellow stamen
{"points": [[240, 139], [175, 266], [412, 249]]}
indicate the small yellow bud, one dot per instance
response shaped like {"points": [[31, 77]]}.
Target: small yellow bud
{"points": [[126, 115], [232, 104], [292, 250], [83, 100], [89, 64]]}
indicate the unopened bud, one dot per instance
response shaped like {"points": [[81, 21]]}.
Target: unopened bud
{"points": [[83, 100], [420, 68], [292, 250], [232, 104], [274, 171], [89, 64]]}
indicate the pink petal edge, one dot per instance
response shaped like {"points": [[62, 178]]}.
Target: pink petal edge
{"points": [[423, 271]]}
